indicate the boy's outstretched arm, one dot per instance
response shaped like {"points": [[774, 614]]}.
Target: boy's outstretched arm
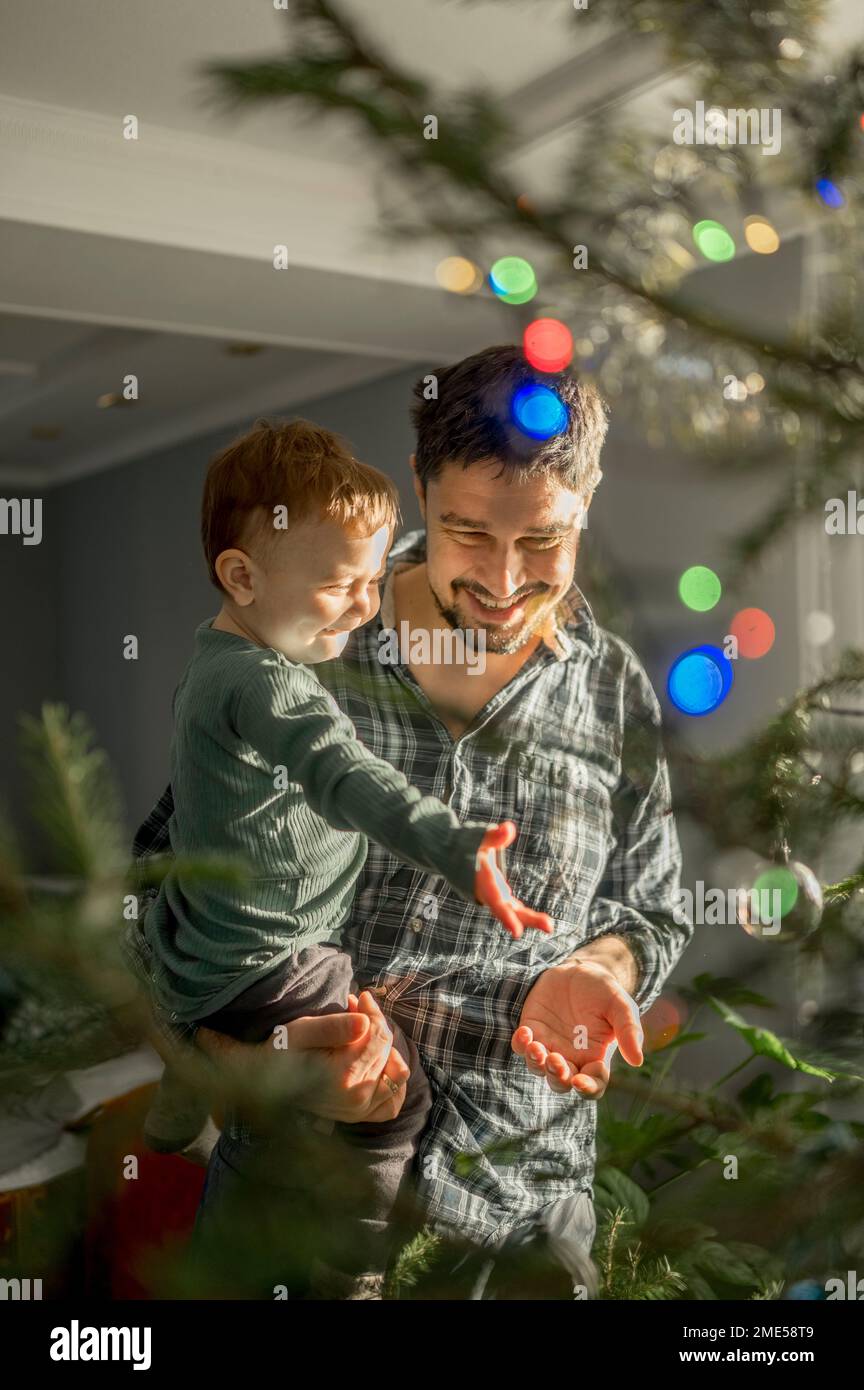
{"points": [[294, 723]]}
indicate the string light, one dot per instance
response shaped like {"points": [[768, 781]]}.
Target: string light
{"points": [[829, 193], [458, 275], [513, 280], [791, 49], [699, 588], [548, 345], [539, 412], [714, 241], [699, 680], [754, 632], [818, 628], [760, 236]]}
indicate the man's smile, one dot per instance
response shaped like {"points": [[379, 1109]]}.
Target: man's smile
{"points": [[494, 610]]}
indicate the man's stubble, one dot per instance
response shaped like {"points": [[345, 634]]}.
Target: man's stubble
{"points": [[499, 640]]}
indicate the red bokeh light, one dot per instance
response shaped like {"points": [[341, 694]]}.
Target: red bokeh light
{"points": [[548, 345], [754, 631], [662, 1023]]}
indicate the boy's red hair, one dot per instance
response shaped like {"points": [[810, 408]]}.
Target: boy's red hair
{"points": [[297, 465]]}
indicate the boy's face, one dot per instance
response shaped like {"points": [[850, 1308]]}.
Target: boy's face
{"points": [[309, 587]]}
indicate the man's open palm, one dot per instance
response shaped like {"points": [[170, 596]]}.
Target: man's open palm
{"points": [[580, 995]]}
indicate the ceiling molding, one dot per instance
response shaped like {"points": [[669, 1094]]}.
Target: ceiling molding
{"points": [[50, 273], [74, 169], [616, 69]]}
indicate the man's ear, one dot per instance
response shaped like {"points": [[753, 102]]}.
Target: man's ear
{"points": [[419, 491], [233, 570]]}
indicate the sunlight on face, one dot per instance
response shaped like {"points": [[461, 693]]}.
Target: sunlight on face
{"points": [[316, 585], [500, 551]]}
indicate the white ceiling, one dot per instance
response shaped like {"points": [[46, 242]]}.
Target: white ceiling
{"points": [[146, 56], [152, 256], [53, 428]]}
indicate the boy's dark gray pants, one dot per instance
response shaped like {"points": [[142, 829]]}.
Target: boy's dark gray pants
{"points": [[247, 1168]]}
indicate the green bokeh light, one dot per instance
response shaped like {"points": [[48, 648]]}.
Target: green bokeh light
{"points": [[714, 241], [699, 588], [513, 280], [782, 881]]}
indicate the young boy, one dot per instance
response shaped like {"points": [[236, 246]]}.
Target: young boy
{"points": [[266, 767]]}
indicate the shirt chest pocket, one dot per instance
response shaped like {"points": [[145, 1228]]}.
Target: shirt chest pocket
{"points": [[563, 809]]}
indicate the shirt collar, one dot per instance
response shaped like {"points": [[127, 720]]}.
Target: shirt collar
{"points": [[575, 621]]}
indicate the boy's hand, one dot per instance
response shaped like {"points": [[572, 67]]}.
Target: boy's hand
{"points": [[493, 891], [359, 1093], [395, 1068]]}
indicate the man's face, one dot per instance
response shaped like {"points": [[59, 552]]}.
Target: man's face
{"points": [[500, 551]]}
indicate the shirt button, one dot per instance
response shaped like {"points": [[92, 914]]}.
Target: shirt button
{"points": [[416, 924], [378, 991]]}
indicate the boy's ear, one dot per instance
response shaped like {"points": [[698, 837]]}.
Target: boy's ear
{"points": [[234, 574]]}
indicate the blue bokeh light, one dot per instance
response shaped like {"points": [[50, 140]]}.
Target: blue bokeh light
{"points": [[539, 412], [829, 193], [699, 680], [805, 1289]]}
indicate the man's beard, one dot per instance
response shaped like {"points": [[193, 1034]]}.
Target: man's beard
{"points": [[499, 639]]}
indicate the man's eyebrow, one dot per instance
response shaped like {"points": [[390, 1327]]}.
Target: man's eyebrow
{"points": [[453, 519]]}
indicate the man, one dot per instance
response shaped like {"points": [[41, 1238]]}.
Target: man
{"points": [[561, 732]]}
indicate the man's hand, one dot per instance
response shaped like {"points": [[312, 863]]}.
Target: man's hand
{"points": [[585, 995], [351, 1054]]}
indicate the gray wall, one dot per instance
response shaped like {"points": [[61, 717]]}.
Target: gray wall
{"points": [[29, 671], [129, 561]]}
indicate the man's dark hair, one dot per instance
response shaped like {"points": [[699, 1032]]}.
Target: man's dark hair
{"points": [[470, 421]]}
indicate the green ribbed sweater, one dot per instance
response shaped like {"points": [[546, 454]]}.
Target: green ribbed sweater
{"points": [[241, 713]]}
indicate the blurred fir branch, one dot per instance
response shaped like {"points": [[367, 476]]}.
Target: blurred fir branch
{"points": [[632, 197], [415, 1258], [767, 789], [74, 798], [625, 1272], [81, 1000]]}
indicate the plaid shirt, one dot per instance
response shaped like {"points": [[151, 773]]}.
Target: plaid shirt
{"points": [[571, 750]]}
